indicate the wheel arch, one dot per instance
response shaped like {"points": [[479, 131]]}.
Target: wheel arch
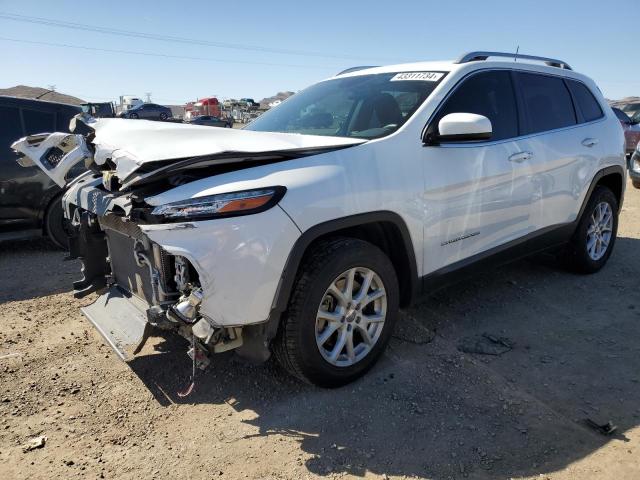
{"points": [[52, 196], [614, 181], [611, 177], [384, 229]]}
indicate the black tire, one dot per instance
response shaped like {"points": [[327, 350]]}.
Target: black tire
{"points": [[295, 343], [133, 115], [55, 224], [636, 183], [578, 257], [163, 116]]}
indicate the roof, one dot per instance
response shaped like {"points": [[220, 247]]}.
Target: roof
{"points": [[464, 64]]}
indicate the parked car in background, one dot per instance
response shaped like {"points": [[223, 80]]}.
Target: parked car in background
{"points": [[634, 167], [100, 110], [211, 121], [249, 102], [631, 130], [148, 111], [29, 200], [631, 109]]}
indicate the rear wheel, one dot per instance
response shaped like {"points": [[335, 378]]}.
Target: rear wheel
{"points": [[55, 224], [341, 313], [593, 241]]}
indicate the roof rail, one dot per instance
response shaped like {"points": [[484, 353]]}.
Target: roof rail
{"points": [[475, 56], [355, 69]]}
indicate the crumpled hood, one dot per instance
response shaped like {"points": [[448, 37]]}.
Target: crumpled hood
{"points": [[132, 143]]}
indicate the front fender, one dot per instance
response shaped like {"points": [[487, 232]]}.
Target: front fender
{"points": [[239, 261]]}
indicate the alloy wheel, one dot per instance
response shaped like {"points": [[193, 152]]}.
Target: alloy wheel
{"points": [[351, 317], [599, 231]]}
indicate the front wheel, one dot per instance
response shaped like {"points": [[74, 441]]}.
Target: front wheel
{"points": [[341, 313], [593, 240], [133, 115], [163, 116]]}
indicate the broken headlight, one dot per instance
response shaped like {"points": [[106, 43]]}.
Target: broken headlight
{"points": [[222, 205]]}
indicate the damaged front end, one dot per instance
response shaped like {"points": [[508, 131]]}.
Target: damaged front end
{"points": [[175, 264], [142, 288]]}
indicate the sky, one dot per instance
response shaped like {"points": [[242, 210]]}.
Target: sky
{"points": [[188, 50]]}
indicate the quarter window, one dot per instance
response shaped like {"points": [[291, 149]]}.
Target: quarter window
{"points": [[38, 121], [586, 102], [547, 102], [490, 94], [63, 118], [623, 117]]}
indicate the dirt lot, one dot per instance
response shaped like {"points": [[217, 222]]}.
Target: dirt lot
{"points": [[426, 411]]}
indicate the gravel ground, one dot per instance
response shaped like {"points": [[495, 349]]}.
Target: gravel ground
{"points": [[427, 410]]}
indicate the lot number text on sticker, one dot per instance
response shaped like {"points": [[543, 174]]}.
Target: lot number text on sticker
{"points": [[420, 76]]}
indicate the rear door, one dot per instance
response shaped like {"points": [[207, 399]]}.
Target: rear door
{"points": [[476, 197], [11, 174], [27, 190], [564, 145]]}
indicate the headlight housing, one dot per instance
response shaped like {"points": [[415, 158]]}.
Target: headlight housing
{"points": [[233, 204]]}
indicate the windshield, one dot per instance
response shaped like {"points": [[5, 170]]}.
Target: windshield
{"points": [[364, 106]]}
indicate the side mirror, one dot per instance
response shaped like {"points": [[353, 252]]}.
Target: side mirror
{"points": [[462, 127]]}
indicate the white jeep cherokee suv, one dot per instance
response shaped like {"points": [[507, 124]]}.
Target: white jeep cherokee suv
{"points": [[303, 233]]}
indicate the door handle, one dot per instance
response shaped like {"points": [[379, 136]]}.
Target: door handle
{"points": [[520, 157], [590, 142]]}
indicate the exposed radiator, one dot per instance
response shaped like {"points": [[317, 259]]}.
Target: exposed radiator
{"points": [[129, 276]]}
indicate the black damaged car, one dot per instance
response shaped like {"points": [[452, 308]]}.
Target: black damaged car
{"points": [[29, 201]]}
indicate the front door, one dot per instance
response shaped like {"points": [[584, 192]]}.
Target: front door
{"points": [[476, 194]]}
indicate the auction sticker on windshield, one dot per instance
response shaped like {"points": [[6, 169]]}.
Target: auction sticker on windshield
{"points": [[420, 76]]}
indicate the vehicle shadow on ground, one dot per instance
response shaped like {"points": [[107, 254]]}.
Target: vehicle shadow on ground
{"points": [[42, 270], [431, 411]]}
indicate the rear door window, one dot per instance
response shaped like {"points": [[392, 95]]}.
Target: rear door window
{"points": [[38, 121], [490, 94], [585, 101], [10, 130], [547, 102]]}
